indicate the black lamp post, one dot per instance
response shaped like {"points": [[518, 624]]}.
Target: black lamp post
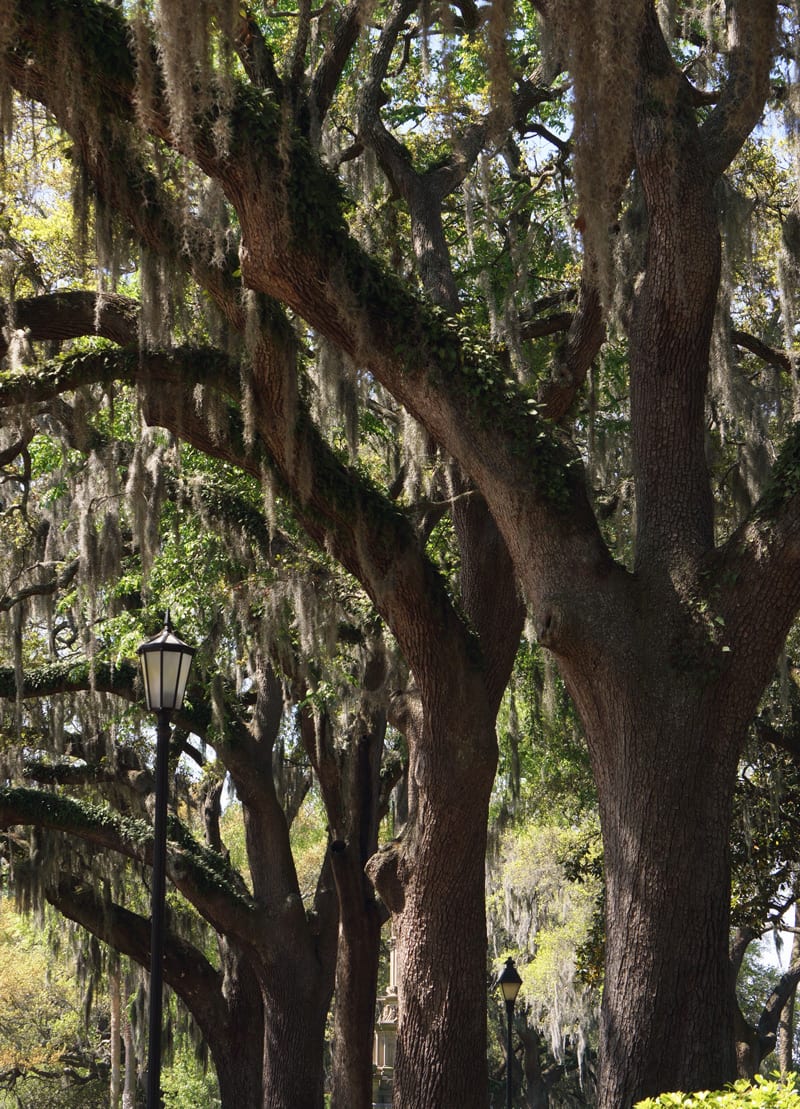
{"points": [[509, 982], [165, 668]]}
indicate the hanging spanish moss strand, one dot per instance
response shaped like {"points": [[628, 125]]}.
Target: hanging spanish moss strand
{"points": [[601, 42]]}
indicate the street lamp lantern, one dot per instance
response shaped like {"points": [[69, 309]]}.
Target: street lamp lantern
{"points": [[509, 983], [166, 661]]}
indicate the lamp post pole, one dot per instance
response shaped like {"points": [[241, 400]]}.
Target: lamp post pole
{"points": [[509, 983], [166, 661], [157, 911], [509, 1050]]}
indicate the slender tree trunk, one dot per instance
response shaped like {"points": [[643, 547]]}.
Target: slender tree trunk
{"points": [[359, 922], [786, 1038], [129, 1088], [354, 1017], [115, 1005], [536, 1095], [786, 1026]]}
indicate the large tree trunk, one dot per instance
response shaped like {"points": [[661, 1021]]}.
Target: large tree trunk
{"points": [[294, 1035], [438, 952], [668, 1003], [434, 883]]}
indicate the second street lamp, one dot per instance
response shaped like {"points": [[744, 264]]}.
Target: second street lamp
{"points": [[166, 661], [509, 983]]}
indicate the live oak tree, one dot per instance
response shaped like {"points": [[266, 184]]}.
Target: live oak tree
{"points": [[665, 645]]}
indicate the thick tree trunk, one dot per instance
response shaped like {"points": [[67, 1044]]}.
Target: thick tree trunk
{"points": [[237, 1050], [668, 1002], [294, 1036], [435, 886]]}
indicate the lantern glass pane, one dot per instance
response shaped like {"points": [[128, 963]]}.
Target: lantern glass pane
{"points": [[151, 669], [171, 667], [183, 677], [510, 990]]}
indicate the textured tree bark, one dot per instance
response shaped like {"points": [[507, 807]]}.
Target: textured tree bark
{"points": [[438, 952], [668, 1004], [294, 1033], [360, 920], [433, 881], [785, 1049], [355, 994], [237, 1049], [663, 749]]}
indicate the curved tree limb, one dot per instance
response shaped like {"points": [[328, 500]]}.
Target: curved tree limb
{"points": [[752, 32], [186, 969], [69, 314], [771, 355], [200, 875]]}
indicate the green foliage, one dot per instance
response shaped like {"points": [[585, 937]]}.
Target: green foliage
{"points": [[764, 1093], [186, 1084], [542, 908], [544, 771], [50, 1056]]}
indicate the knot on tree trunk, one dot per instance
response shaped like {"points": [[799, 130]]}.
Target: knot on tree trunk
{"points": [[406, 713], [384, 870], [550, 624]]}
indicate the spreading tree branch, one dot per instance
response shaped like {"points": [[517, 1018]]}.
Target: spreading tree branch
{"points": [[203, 878], [186, 969], [752, 34]]}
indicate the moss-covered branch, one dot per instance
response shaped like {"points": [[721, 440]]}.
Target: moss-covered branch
{"points": [[51, 578], [198, 365], [46, 681], [296, 247], [202, 876], [746, 89], [70, 314]]}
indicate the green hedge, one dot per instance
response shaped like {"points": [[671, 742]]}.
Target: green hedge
{"points": [[762, 1094]]}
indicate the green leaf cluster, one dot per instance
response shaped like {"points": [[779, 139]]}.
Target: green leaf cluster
{"points": [[763, 1093]]}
